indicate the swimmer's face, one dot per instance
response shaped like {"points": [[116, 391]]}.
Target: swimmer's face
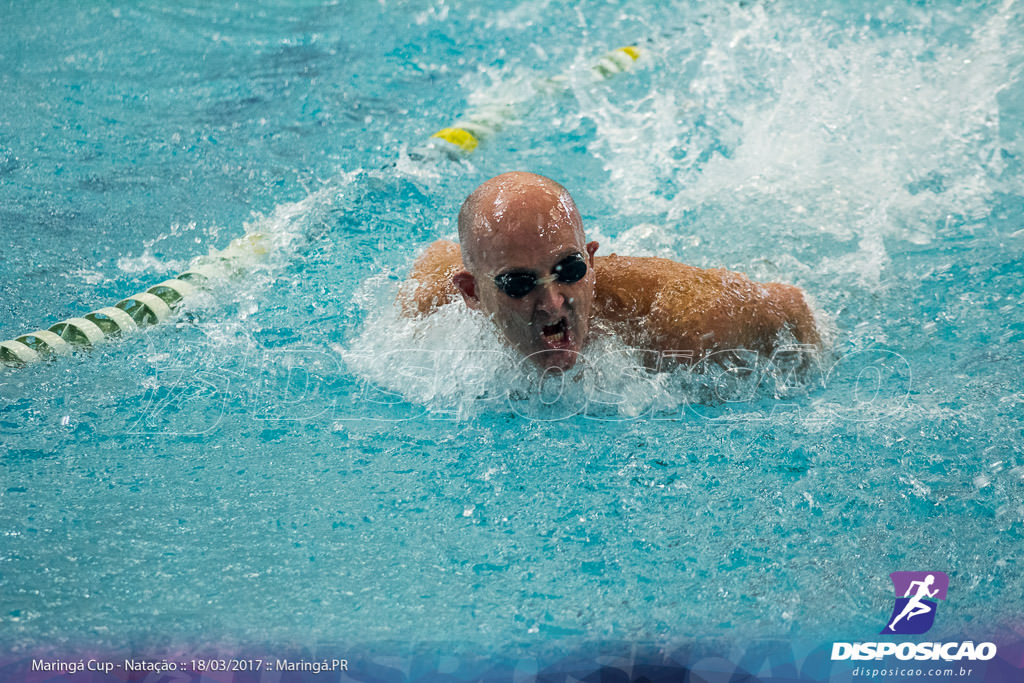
{"points": [[524, 237]]}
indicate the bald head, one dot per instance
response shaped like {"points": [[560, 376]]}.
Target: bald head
{"points": [[510, 206], [525, 228]]}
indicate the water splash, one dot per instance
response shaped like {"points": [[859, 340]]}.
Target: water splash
{"points": [[791, 127]]}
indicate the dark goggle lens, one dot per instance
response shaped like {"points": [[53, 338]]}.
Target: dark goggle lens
{"points": [[571, 269], [517, 285]]}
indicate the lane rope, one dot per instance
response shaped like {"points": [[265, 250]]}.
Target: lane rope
{"points": [[479, 123], [161, 301], [150, 307]]}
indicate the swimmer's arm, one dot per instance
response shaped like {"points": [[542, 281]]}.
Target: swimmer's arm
{"points": [[742, 314], [671, 306], [430, 283], [751, 315]]}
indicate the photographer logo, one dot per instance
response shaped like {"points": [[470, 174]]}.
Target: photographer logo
{"points": [[913, 613]]}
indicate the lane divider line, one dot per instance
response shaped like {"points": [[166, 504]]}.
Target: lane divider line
{"points": [[467, 133], [155, 305]]}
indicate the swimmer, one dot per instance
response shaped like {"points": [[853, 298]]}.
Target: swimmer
{"points": [[525, 263], [914, 606]]}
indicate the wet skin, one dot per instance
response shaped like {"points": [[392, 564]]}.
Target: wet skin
{"points": [[519, 222]]}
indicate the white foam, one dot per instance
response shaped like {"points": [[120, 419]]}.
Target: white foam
{"points": [[148, 262], [453, 362], [818, 129]]}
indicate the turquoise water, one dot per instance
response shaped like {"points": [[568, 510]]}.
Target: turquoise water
{"points": [[290, 462]]}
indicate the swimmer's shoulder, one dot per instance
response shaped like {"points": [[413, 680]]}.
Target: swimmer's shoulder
{"points": [[642, 269], [438, 254], [636, 281], [655, 276], [628, 290], [430, 283]]}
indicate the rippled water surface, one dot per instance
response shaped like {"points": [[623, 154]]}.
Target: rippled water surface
{"points": [[290, 461]]}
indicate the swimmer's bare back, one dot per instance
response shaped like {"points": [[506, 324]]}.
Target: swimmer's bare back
{"points": [[652, 302]]}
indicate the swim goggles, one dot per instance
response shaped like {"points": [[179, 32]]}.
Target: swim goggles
{"points": [[518, 284]]}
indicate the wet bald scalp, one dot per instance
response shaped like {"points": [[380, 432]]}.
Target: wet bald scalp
{"points": [[489, 205]]}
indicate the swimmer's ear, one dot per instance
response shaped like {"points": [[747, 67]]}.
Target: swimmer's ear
{"points": [[466, 284], [591, 250]]}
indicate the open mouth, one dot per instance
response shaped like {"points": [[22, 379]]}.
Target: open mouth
{"points": [[556, 335]]}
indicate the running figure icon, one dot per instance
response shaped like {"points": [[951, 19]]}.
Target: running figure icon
{"points": [[917, 595], [915, 606]]}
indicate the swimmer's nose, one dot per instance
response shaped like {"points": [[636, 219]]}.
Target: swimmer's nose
{"points": [[550, 299]]}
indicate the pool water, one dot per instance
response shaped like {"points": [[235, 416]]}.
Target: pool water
{"points": [[290, 461]]}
